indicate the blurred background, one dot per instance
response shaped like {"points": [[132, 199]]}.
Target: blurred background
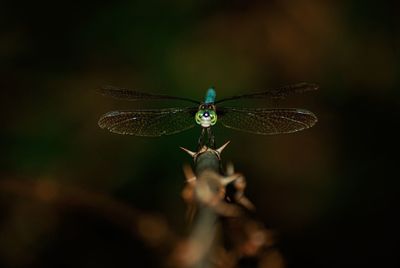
{"points": [[69, 190]]}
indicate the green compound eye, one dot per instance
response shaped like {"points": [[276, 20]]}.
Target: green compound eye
{"points": [[213, 116], [198, 116]]}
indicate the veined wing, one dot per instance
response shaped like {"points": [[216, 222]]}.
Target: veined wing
{"points": [[275, 93], [266, 121], [149, 123], [128, 94]]}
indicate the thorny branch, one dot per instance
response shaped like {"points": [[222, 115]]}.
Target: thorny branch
{"points": [[224, 230]]}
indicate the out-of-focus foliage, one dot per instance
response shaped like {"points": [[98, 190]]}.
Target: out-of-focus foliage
{"points": [[329, 191]]}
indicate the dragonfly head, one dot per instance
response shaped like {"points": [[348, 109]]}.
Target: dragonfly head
{"points": [[206, 115]]}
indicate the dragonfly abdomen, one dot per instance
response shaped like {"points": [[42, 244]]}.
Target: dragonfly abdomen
{"points": [[210, 96]]}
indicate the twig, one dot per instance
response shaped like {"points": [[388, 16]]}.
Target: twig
{"points": [[218, 209]]}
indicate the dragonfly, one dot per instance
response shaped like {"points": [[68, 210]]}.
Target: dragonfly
{"points": [[206, 113]]}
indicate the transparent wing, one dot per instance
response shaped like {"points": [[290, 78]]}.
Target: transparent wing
{"points": [[266, 121], [128, 94], [275, 93], [149, 123]]}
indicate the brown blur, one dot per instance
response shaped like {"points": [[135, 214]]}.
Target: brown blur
{"points": [[73, 195]]}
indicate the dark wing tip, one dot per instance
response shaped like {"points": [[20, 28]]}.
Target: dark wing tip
{"points": [[102, 89], [101, 123], [309, 86], [313, 118], [105, 89], [104, 119]]}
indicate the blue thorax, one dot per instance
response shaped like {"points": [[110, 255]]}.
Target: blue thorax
{"points": [[210, 96]]}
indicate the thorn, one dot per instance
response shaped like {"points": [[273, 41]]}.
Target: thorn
{"points": [[245, 202], [225, 181], [192, 154], [230, 169], [220, 149], [189, 175]]}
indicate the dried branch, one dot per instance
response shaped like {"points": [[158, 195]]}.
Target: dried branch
{"points": [[223, 232]]}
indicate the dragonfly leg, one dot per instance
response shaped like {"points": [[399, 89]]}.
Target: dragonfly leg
{"points": [[211, 138], [200, 141]]}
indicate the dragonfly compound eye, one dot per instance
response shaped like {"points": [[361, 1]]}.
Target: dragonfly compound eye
{"points": [[213, 116], [199, 116]]}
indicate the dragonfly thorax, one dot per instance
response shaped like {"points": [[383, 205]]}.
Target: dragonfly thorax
{"points": [[206, 115]]}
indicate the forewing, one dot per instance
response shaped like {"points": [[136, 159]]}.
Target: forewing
{"points": [[266, 121], [149, 123], [128, 94], [276, 93]]}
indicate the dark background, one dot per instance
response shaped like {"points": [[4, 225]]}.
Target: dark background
{"points": [[67, 187]]}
